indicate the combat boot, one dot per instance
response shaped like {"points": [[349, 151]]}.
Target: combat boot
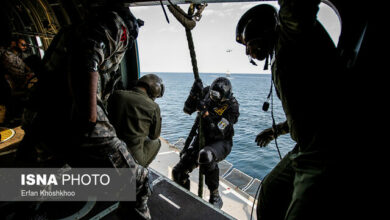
{"points": [[142, 207], [144, 191], [215, 199]]}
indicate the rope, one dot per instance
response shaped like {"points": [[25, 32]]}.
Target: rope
{"points": [[192, 53], [201, 145]]}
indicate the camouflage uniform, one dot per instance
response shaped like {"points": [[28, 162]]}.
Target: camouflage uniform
{"points": [[97, 45], [5, 90], [16, 70], [14, 78]]}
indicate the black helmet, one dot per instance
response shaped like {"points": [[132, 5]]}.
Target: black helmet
{"points": [[221, 89], [153, 84], [257, 21]]}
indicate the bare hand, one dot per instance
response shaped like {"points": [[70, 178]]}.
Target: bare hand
{"points": [[265, 137]]}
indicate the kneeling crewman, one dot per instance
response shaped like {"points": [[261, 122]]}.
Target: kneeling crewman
{"points": [[137, 118], [137, 121], [219, 110]]}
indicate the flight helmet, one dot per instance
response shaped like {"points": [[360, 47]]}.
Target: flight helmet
{"points": [[259, 21], [153, 85]]}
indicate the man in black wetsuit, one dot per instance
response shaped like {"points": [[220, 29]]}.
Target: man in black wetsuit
{"points": [[219, 110]]}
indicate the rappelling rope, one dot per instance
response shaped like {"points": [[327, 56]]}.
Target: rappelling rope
{"points": [[192, 53], [188, 23]]}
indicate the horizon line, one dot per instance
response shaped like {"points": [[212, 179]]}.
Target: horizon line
{"points": [[146, 72]]}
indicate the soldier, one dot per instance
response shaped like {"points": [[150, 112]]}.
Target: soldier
{"points": [[219, 111], [137, 118], [15, 75], [137, 121], [20, 48], [299, 187], [80, 73]]}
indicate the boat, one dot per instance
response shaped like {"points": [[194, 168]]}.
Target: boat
{"points": [[228, 74]]}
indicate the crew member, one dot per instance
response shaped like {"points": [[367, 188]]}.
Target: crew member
{"points": [[299, 187], [137, 121], [15, 76], [137, 118], [80, 73], [219, 111], [20, 48]]}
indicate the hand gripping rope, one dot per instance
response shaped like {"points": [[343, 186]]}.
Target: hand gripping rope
{"points": [[188, 20]]}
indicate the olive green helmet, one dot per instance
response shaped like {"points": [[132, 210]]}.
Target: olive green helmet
{"points": [[153, 84]]}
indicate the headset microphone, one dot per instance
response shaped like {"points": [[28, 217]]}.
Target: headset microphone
{"points": [[265, 106], [252, 61], [266, 103]]}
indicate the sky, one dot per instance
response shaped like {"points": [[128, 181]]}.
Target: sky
{"points": [[163, 46]]}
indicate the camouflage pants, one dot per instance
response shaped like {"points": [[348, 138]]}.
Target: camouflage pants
{"points": [[101, 147], [102, 152]]}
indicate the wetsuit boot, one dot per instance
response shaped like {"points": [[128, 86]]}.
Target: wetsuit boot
{"points": [[180, 175], [215, 199]]}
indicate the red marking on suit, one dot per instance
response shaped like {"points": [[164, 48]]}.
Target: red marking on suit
{"points": [[124, 34]]}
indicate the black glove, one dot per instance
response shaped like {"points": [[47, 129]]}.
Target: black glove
{"points": [[197, 88], [202, 107], [192, 101], [265, 137]]}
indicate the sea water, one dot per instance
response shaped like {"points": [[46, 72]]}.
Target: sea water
{"points": [[251, 91]]}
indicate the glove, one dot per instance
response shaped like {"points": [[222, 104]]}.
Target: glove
{"points": [[264, 137], [202, 108], [190, 105], [197, 88]]}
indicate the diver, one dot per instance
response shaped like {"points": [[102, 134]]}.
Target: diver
{"points": [[219, 110], [137, 121], [79, 74], [305, 57]]}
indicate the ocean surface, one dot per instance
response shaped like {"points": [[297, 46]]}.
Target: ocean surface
{"points": [[251, 91]]}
